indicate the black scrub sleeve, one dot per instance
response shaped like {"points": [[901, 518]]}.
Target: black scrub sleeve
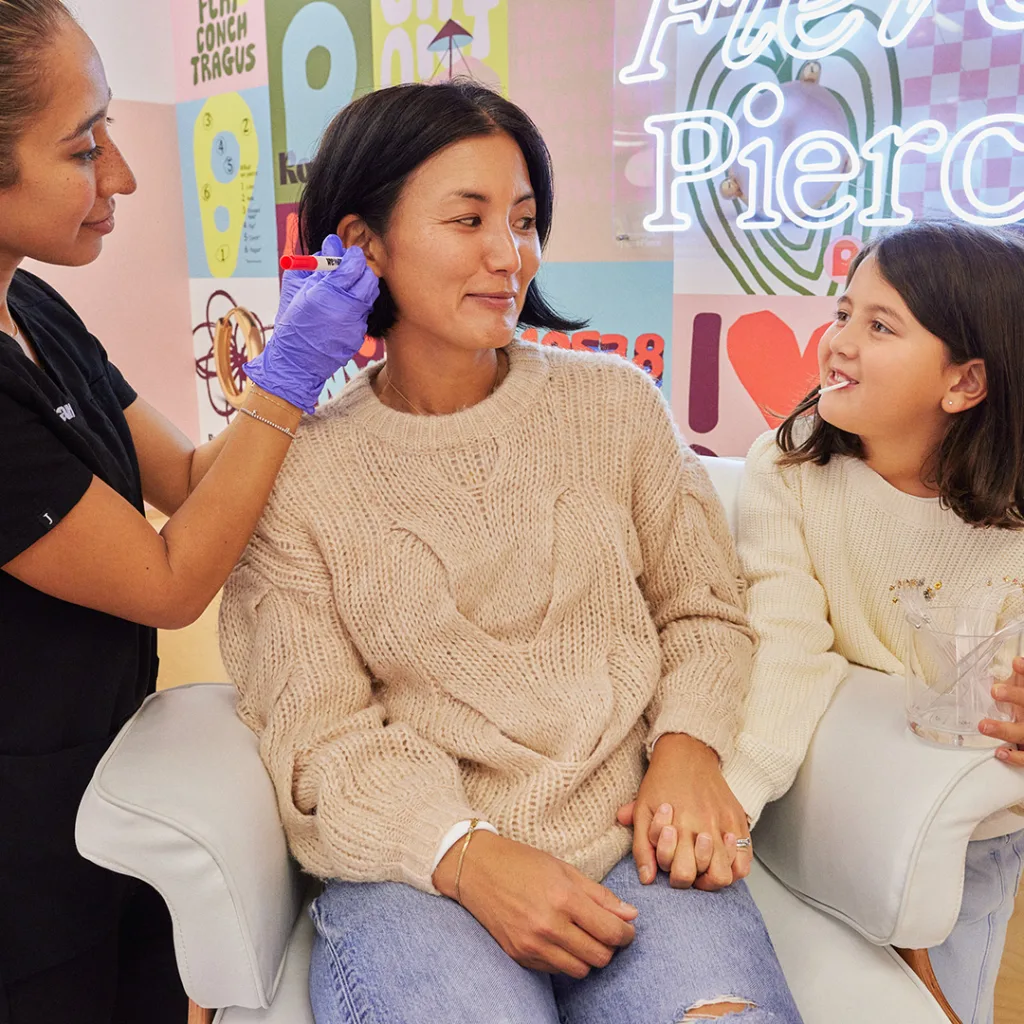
{"points": [[123, 391], [40, 479]]}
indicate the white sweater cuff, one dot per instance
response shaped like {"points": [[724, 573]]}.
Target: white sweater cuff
{"points": [[454, 834], [749, 785]]}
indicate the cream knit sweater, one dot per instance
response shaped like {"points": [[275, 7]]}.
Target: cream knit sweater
{"points": [[486, 614], [821, 547]]}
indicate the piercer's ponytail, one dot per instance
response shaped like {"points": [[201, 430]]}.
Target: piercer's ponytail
{"points": [[27, 28]]}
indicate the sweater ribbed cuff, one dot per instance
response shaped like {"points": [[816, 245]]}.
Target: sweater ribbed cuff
{"points": [[425, 830], [748, 785], [711, 725]]}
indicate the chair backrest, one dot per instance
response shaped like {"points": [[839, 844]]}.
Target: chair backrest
{"points": [[727, 476], [182, 801]]}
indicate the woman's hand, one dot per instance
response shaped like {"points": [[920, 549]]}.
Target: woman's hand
{"points": [[686, 820], [1010, 691], [320, 326], [544, 913]]}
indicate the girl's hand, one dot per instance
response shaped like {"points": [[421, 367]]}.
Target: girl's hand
{"points": [[686, 820], [544, 913], [320, 326], [1011, 691]]}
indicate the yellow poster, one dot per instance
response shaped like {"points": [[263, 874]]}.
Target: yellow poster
{"points": [[226, 154], [431, 40]]}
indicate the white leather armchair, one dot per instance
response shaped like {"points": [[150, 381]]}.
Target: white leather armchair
{"points": [[865, 852]]}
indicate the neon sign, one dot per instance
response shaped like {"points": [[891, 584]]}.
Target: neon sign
{"points": [[747, 39], [800, 182]]}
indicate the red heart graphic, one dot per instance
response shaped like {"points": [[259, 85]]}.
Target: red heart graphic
{"points": [[764, 353]]}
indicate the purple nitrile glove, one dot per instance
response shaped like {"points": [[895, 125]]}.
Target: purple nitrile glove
{"points": [[320, 326]]}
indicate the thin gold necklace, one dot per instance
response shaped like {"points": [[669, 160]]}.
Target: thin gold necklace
{"points": [[389, 383]]}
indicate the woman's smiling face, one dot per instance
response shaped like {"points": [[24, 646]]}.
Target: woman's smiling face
{"points": [[62, 205], [461, 247]]}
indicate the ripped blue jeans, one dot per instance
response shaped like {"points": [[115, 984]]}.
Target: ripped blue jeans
{"points": [[389, 954]]}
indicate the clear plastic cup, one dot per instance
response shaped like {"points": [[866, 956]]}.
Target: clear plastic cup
{"points": [[950, 673]]}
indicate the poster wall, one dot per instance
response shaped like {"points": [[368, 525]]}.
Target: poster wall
{"points": [[320, 59], [769, 140], [755, 147], [425, 42], [628, 307], [257, 83]]}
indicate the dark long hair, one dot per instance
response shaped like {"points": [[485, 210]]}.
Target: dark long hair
{"points": [[965, 285], [374, 144]]}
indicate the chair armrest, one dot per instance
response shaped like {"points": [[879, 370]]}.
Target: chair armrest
{"points": [[876, 826], [182, 801]]}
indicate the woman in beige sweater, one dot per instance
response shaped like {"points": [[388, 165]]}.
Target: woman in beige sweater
{"points": [[493, 598]]}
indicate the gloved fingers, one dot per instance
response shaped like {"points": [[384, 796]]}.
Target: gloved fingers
{"points": [[354, 278], [350, 288], [293, 282], [332, 247]]}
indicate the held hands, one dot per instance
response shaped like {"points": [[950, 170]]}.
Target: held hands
{"points": [[320, 326], [543, 913], [1010, 691], [686, 820]]}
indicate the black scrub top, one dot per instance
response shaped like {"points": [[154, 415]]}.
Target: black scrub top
{"points": [[69, 676]]}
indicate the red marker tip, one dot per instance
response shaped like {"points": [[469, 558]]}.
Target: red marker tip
{"points": [[298, 263]]}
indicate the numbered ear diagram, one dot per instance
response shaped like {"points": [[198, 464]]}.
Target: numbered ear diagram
{"points": [[226, 151]]}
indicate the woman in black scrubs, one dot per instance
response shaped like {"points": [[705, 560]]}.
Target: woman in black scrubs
{"points": [[84, 579]]}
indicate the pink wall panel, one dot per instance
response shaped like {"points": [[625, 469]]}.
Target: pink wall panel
{"points": [[561, 72]]}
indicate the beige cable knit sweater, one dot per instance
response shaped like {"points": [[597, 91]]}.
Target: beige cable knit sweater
{"points": [[487, 614], [822, 548]]}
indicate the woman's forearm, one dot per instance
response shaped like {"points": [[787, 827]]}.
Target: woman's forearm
{"points": [[232, 476], [206, 455]]}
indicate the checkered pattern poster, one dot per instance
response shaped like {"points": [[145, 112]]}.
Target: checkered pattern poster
{"points": [[958, 68]]}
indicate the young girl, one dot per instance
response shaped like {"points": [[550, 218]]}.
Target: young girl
{"points": [[912, 470]]}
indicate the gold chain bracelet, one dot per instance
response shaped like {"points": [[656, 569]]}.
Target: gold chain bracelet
{"points": [[262, 393], [462, 856]]}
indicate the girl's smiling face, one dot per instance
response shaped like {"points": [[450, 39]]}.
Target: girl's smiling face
{"points": [[900, 375]]}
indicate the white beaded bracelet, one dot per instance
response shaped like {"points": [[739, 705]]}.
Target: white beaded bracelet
{"points": [[269, 423]]}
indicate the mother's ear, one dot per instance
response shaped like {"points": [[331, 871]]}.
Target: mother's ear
{"points": [[353, 230]]}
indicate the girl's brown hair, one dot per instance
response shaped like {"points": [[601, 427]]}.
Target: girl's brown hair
{"points": [[965, 285], [27, 29]]}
